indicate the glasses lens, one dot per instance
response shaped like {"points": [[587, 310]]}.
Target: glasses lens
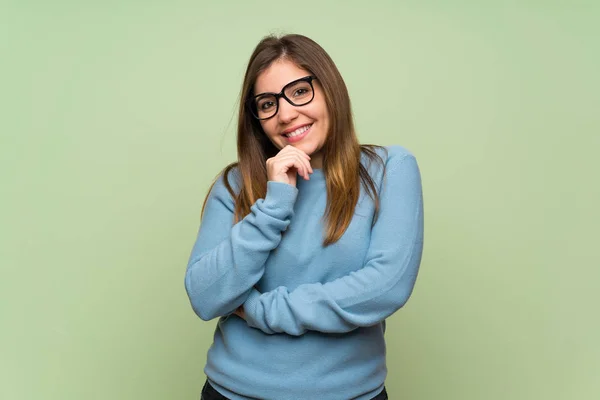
{"points": [[299, 93], [265, 106]]}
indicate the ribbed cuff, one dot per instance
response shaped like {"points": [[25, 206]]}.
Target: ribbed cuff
{"points": [[280, 199], [251, 311]]}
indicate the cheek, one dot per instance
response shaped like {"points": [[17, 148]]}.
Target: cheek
{"points": [[320, 111], [316, 113], [323, 117], [271, 130], [268, 128]]}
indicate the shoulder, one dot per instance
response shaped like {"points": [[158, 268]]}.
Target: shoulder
{"points": [[390, 157], [396, 154], [401, 166], [230, 174]]}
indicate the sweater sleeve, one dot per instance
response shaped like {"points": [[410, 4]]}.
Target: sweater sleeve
{"points": [[226, 261], [369, 295]]}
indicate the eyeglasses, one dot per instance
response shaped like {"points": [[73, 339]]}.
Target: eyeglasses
{"points": [[298, 93]]}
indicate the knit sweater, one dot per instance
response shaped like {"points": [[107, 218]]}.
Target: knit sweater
{"points": [[315, 316]]}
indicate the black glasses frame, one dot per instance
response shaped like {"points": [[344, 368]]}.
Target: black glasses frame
{"points": [[251, 102]]}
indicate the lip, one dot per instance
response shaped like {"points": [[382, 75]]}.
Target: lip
{"points": [[292, 129], [299, 137]]}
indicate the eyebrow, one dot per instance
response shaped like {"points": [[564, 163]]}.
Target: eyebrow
{"points": [[293, 80]]}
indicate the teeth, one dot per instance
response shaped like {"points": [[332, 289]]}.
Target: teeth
{"points": [[298, 131]]}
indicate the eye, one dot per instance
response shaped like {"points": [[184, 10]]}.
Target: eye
{"points": [[300, 92], [265, 105]]}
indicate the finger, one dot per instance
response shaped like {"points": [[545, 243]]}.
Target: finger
{"points": [[302, 152], [296, 161], [307, 166], [289, 148], [300, 166], [283, 161]]}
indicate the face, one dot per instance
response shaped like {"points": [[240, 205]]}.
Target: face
{"points": [[310, 120]]}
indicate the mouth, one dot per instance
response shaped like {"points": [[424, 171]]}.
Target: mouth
{"points": [[297, 133]]}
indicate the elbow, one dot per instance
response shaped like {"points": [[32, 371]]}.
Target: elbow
{"points": [[402, 301], [406, 290], [204, 313], [406, 284], [202, 308]]}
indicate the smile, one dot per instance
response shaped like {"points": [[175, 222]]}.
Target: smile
{"points": [[297, 134]]}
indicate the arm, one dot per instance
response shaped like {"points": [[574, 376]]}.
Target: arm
{"points": [[226, 261], [369, 295]]}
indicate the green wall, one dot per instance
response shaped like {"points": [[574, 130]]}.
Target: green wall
{"points": [[116, 116]]}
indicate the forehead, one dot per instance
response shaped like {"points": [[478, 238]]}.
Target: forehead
{"points": [[277, 75]]}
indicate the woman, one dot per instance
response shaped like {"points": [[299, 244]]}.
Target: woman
{"points": [[307, 243]]}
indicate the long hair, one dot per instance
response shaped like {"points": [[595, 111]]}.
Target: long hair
{"points": [[341, 152]]}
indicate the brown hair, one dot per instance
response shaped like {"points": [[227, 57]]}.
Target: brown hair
{"points": [[341, 152]]}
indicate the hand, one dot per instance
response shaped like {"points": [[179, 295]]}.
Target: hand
{"points": [[288, 164], [240, 312]]}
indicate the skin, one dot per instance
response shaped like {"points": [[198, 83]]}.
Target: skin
{"points": [[273, 79]]}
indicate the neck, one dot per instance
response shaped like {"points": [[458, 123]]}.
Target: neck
{"points": [[316, 160]]}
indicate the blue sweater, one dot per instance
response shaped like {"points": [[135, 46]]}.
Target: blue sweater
{"points": [[315, 316]]}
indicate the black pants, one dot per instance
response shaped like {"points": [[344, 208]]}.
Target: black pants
{"points": [[209, 393]]}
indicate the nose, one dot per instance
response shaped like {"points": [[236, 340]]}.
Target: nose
{"points": [[287, 112]]}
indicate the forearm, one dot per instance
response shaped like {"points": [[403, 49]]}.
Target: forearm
{"points": [[369, 295], [362, 299], [219, 276]]}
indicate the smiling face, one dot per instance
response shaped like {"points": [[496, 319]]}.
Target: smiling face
{"points": [[304, 127]]}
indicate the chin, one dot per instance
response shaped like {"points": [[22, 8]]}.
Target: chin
{"points": [[306, 147]]}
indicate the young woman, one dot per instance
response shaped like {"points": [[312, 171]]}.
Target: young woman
{"points": [[307, 243]]}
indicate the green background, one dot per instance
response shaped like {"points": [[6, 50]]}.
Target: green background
{"points": [[116, 116]]}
